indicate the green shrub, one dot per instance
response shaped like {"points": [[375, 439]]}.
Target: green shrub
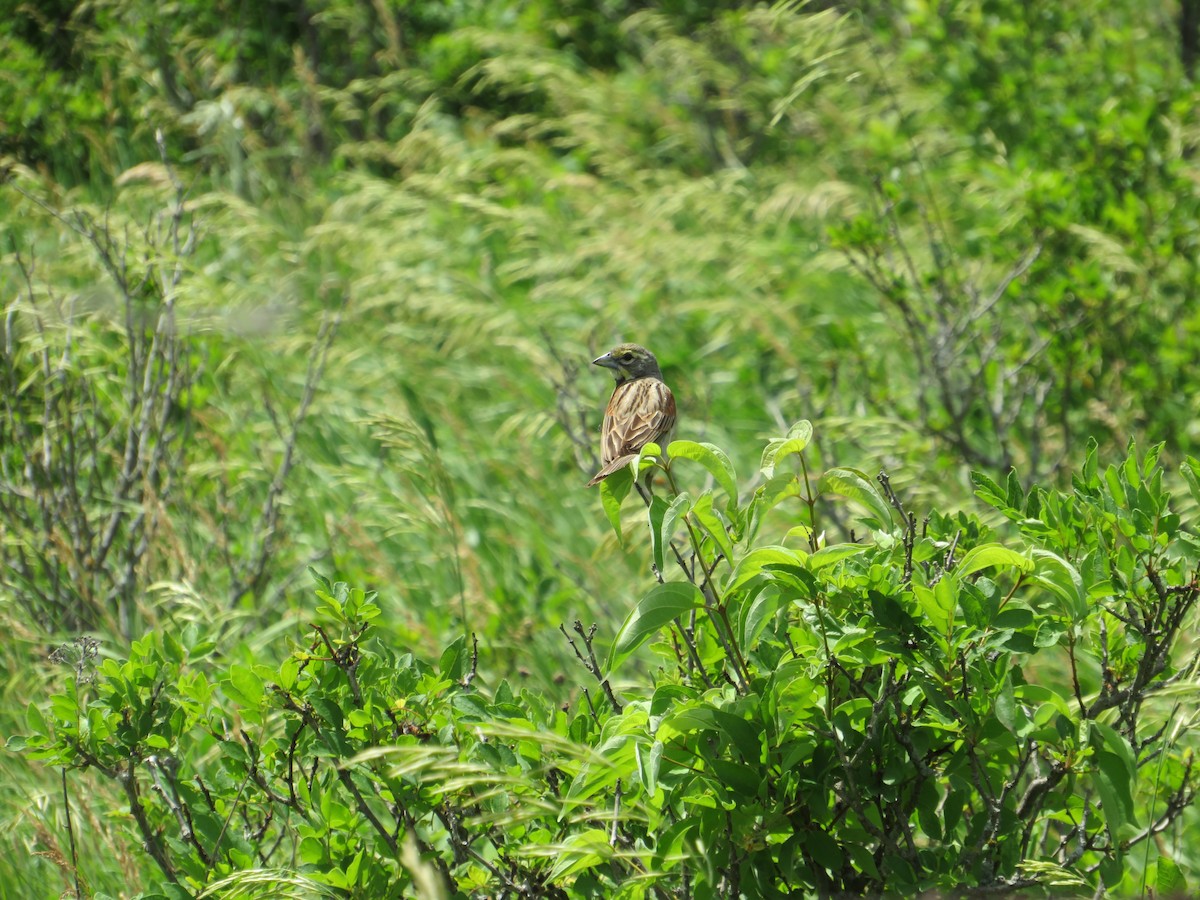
{"points": [[929, 706]]}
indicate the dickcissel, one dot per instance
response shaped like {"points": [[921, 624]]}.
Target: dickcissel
{"points": [[641, 409]]}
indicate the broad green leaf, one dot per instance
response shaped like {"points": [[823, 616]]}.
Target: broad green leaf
{"points": [[804, 532], [1116, 773], [648, 456], [656, 512], [353, 869], [927, 808], [753, 562], [613, 490], [938, 602], [1006, 706], [1016, 494], [857, 486], [693, 717], [320, 579], [989, 491], [712, 458], [581, 852], [34, 720], [289, 669], [1117, 745], [244, 686], [1190, 470], [669, 848], [453, 661], [801, 430], [1059, 577], [1112, 479], [775, 490], [776, 451], [1036, 693], [745, 735], [987, 555], [739, 780], [679, 508], [827, 556], [1087, 473], [1113, 784], [711, 523], [648, 765], [1170, 879], [752, 616], [1112, 868], [1013, 617], [663, 605], [978, 608]]}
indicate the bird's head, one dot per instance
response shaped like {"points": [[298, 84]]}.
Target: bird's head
{"points": [[629, 362]]}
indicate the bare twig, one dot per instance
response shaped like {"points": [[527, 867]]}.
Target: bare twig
{"points": [[589, 661]]}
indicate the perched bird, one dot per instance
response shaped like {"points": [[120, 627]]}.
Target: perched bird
{"points": [[640, 411]]}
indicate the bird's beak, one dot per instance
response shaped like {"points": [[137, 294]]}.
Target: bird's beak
{"points": [[606, 361]]}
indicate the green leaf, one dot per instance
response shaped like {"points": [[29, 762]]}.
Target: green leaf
{"points": [[353, 869], [649, 457], [1115, 796], [613, 490], [1112, 868], [244, 686], [989, 491], [663, 605], [1190, 470], [34, 720], [1170, 879], [927, 809], [669, 848], [648, 765], [752, 617], [1059, 577], [986, 555], [769, 495], [938, 602], [1016, 495], [580, 852], [710, 522], [1036, 693], [827, 556], [712, 458], [656, 512], [1006, 706], [1087, 473], [776, 451], [1116, 773], [1119, 747], [753, 563], [320, 579], [857, 486], [663, 523], [289, 669], [745, 735], [453, 661], [978, 608]]}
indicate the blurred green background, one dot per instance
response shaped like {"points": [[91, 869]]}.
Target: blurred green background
{"points": [[374, 247]]}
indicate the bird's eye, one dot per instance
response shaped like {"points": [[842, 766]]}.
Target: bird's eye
{"points": [[626, 357]]}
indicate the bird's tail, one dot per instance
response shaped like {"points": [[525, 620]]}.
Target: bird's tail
{"points": [[611, 467]]}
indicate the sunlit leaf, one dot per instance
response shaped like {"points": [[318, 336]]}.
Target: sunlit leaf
{"points": [[661, 606]]}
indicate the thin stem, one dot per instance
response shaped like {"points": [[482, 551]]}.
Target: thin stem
{"points": [[71, 836]]}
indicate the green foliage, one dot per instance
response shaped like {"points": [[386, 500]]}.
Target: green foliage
{"points": [[1039, 205], [918, 710], [316, 284]]}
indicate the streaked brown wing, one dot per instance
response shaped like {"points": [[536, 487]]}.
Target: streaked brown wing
{"points": [[639, 412]]}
